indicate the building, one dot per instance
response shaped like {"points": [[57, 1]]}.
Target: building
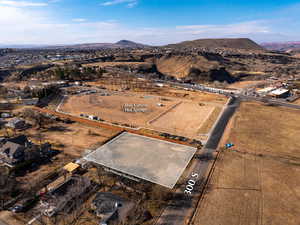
{"points": [[65, 195], [106, 206], [16, 123], [19, 149], [280, 93], [71, 167], [12, 153], [265, 91]]}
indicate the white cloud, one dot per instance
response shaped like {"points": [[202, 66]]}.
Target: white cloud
{"points": [[129, 3], [22, 3], [22, 25], [228, 29], [80, 20]]}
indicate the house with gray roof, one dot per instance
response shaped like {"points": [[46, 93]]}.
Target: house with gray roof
{"points": [[16, 123], [19, 149]]}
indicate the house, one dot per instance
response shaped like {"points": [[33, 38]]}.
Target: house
{"points": [[106, 206], [64, 195], [16, 123], [19, 149], [280, 93], [12, 153]]}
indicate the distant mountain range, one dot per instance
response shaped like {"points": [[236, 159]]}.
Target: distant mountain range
{"points": [[283, 46], [232, 43], [119, 44]]}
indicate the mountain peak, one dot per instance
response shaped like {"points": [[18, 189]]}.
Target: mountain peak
{"points": [[130, 44]]}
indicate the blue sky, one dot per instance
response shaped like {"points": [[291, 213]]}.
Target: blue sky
{"points": [[154, 22]]}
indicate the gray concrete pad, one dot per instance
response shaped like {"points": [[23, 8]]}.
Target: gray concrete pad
{"points": [[154, 160]]}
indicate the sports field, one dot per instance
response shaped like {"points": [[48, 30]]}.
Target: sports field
{"points": [[172, 115]]}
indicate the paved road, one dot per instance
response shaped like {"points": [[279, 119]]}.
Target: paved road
{"points": [[225, 92], [273, 101], [181, 210], [220, 125]]}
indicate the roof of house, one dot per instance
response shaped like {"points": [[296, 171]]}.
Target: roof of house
{"points": [[106, 202], [266, 90], [9, 148], [70, 167], [21, 140]]}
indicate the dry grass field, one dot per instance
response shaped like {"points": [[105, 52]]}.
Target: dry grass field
{"points": [[184, 119], [207, 125], [110, 108], [256, 182], [74, 138], [178, 115]]}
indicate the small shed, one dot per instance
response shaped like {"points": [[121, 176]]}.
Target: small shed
{"points": [[71, 167]]}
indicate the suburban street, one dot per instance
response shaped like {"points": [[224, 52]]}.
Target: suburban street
{"points": [[182, 210]]}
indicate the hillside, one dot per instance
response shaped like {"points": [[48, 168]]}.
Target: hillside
{"points": [[180, 66], [192, 68], [130, 44], [232, 43]]}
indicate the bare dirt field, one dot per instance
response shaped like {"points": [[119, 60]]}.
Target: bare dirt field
{"points": [[181, 116], [185, 118], [257, 181], [72, 139], [110, 108], [207, 125]]}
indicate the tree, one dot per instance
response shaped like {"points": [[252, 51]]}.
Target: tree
{"points": [[37, 118], [8, 185]]}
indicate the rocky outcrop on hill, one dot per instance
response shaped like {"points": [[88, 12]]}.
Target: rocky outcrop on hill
{"points": [[193, 68]]}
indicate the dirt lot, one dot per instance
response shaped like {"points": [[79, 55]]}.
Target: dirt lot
{"points": [[74, 138], [256, 182], [110, 108], [178, 115], [185, 118], [207, 125]]}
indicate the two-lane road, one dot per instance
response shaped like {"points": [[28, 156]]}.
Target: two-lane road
{"points": [[181, 210]]}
